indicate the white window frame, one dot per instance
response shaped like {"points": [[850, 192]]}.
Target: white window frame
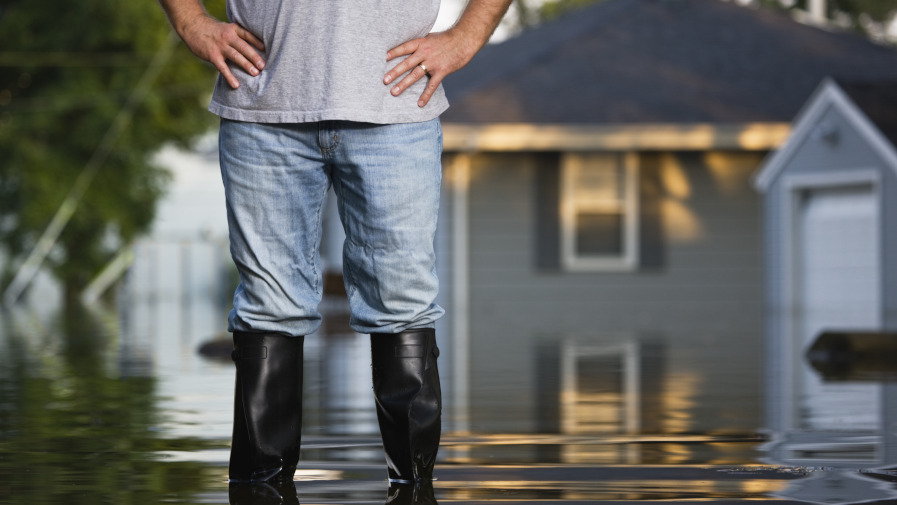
{"points": [[628, 259]]}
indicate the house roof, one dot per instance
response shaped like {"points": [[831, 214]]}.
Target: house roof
{"points": [[870, 108], [660, 62], [878, 101]]}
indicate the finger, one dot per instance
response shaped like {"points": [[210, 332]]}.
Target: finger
{"points": [[250, 37], [222, 67], [241, 61], [403, 49], [245, 53], [239, 51], [400, 69], [415, 75], [431, 88]]}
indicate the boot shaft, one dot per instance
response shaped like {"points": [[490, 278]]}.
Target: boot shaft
{"points": [[409, 401], [267, 406]]}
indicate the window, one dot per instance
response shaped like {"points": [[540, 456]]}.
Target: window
{"points": [[599, 211]]}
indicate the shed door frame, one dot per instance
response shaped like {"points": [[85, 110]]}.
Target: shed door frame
{"points": [[793, 188]]}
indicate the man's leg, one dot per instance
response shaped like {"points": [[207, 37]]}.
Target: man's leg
{"points": [[387, 179], [275, 189], [275, 184]]}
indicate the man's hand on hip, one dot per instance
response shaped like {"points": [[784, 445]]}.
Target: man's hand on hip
{"points": [[435, 56], [439, 54], [218, 42], [215, 41]]}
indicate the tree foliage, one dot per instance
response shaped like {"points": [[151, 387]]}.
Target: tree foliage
{"points": [[554, 8], [867, 16], [66, 71]]}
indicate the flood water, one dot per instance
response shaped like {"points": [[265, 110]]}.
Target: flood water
{"points": [[119, 407], [115, 404]]}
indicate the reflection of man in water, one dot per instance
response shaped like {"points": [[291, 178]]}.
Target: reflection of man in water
{"points": [[343, 93]]}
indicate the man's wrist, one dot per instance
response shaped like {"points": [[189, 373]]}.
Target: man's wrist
{"points": [[469, 41], [187, 24]]}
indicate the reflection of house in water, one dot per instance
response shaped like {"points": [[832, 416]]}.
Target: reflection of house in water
{"points": [[609, 388], [606, 387], [598, 203], [831, 236]]}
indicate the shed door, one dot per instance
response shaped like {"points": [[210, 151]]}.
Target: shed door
{"points": [[839, 272]]}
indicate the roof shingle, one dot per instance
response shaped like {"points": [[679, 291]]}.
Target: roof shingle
{"points": [[660, 61]]}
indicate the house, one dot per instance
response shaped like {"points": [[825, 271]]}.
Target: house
{"points": [[601, 245], [830, 221]]}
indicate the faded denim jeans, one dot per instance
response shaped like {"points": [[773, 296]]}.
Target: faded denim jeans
{"points": [[386, 179]]}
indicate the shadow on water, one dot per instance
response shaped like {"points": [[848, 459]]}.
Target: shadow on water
{"points": [[87, 417]]}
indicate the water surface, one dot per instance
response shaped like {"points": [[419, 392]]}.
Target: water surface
{"points": [[118, 406]]}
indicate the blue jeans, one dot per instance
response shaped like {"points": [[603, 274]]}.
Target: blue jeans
{"points": [[386, 179]]}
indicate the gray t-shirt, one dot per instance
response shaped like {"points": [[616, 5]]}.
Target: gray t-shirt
{"points": [[325, 60]]}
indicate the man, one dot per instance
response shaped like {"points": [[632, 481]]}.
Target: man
{"points": [[343, 93]]}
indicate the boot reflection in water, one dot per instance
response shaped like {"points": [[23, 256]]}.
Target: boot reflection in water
{"points": [[267, 407], [275, 493], [409, 402], [411, 494]]}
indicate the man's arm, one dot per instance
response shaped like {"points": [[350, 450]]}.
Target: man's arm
{"points": [[445, 52], [213, 40]]}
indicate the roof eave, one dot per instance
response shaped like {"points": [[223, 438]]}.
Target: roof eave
{"points": [[514, 137]]}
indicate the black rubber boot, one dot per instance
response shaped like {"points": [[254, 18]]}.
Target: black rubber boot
{"points": [[267, 407], [409, 402]]}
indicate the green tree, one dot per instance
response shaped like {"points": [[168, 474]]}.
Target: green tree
{"points": [[867, 16], [554, 8], [67, 70]]}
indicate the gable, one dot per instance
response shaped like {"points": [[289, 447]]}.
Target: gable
{"points": [[834, 132]]}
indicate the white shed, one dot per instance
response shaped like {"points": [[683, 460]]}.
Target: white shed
{"points": [[830, 228]]}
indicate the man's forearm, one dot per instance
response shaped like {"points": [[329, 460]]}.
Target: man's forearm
{"points": [[480, 18], [182, 12]]}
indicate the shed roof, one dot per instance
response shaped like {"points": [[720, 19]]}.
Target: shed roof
{"points": [[660, 61], [869, 108]]}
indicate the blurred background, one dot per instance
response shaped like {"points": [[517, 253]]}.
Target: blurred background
{"points": [[667, 251]]}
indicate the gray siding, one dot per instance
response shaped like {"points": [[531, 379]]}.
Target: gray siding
{"points": [[699, 296]]}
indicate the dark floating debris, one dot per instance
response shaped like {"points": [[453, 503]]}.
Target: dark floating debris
{"points": [[219, 348]]}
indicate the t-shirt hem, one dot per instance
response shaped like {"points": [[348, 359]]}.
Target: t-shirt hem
{"points": [[428, 113]]}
